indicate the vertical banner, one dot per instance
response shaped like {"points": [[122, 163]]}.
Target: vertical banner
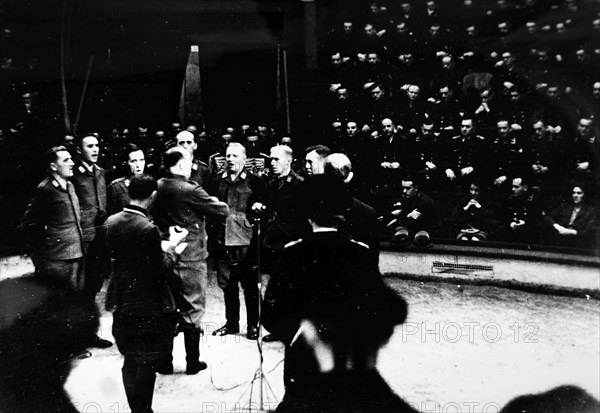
{"points": [[190, 101]]}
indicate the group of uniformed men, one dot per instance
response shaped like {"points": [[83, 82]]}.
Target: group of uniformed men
{"points": [[150, 238]]}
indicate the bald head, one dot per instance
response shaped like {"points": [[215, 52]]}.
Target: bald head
{"points": [[186, 140]]}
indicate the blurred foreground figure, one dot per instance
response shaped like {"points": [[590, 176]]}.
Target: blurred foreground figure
{"points": [[42, 327], [563, 399], [320, 304]]}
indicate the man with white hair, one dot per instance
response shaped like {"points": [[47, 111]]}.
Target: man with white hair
{"points": [[361, 218]]}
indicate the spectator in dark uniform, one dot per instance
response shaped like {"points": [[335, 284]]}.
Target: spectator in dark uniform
{"points": [[584, 158], [416, 216], [507, 156], [466, 154], [183, 202], [90, 184], [542, 156], [428, 162], [244, 193], [309, 264], [521, 215], [139, 293], [118, 193], [51, 225]]}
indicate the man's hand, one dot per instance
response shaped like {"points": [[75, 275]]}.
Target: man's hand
{"points": [[431, 166], [176, 235], [258, 207], [583, 166], [415, 214], [450, 174]]}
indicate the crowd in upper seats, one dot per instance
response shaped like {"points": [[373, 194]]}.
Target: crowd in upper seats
{"points": [[462, 96], [459, 92]]}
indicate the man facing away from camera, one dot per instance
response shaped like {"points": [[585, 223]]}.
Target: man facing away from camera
{"points": [[325, 295], [139, 293], [185, 203]]}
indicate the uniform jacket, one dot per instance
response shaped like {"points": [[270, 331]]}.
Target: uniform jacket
{"points": [[185, 203], [51, 224], [306, 263], [285, 222], [91, 191], [140, 270], [118, 195], [466, 153], [363, 226], [240, 194], [310, 270], [430, 218], [201, 174]]}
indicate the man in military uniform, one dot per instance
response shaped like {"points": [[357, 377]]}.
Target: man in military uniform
{"points": [[285, 221], [466, 154], [236, 244], [321, 257], [183, 202], [200, 170], [90, 184], [51, 224], [118, 194]]}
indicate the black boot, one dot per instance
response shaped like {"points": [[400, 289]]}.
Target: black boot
{"points": [[191, 339], [165, 366]]}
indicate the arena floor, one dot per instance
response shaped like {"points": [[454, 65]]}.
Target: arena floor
{"points": [[462, 349]]}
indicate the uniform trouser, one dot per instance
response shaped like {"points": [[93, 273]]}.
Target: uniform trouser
{"points": [[234, 267], [67, 273], [143, 341], [190, 298]]}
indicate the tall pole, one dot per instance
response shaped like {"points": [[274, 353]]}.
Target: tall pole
{"points": [[62, 69], [85, 84], [287, 92], [278, 82]]}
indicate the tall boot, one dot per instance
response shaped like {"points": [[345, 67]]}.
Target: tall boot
{"points": [[165, 366], [191, 339], [251, 298]]}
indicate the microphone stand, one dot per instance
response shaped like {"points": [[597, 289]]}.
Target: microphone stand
{"points": [[264, 388]]}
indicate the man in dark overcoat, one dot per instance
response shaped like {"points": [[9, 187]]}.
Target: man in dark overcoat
{"points": [[185, 203]]}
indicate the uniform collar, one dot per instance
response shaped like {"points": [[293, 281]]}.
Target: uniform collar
{"points": [[133, 209], [241, 176]]}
